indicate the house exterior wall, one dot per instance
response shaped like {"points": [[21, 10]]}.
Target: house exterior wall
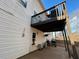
{"points": [[40, 39], [39, 34], [38, 6], [15, 29]]}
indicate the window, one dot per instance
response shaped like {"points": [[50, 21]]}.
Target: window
{"points": [[33, 38], [34, 35], [23, 2]]}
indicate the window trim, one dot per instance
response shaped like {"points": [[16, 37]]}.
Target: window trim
{"points": [[23, 3]]}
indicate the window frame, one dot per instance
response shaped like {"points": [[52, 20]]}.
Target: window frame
{"points": [[23, 3]]}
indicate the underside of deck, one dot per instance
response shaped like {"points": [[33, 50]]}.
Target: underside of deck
{"points": [[50, 25]]}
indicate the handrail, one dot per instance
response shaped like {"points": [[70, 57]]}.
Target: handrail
{"points": [[49, 9]]}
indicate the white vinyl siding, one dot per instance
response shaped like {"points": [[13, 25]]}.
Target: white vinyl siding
{"points": [[14, 18], [12, 23]]}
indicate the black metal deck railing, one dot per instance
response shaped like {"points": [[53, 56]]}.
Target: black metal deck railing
{"points": [[56, 12]]}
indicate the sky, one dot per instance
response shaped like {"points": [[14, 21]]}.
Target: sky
{"points": [[71, 5]]}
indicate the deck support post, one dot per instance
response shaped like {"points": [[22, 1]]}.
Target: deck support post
{"points": [[67, 43]]}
